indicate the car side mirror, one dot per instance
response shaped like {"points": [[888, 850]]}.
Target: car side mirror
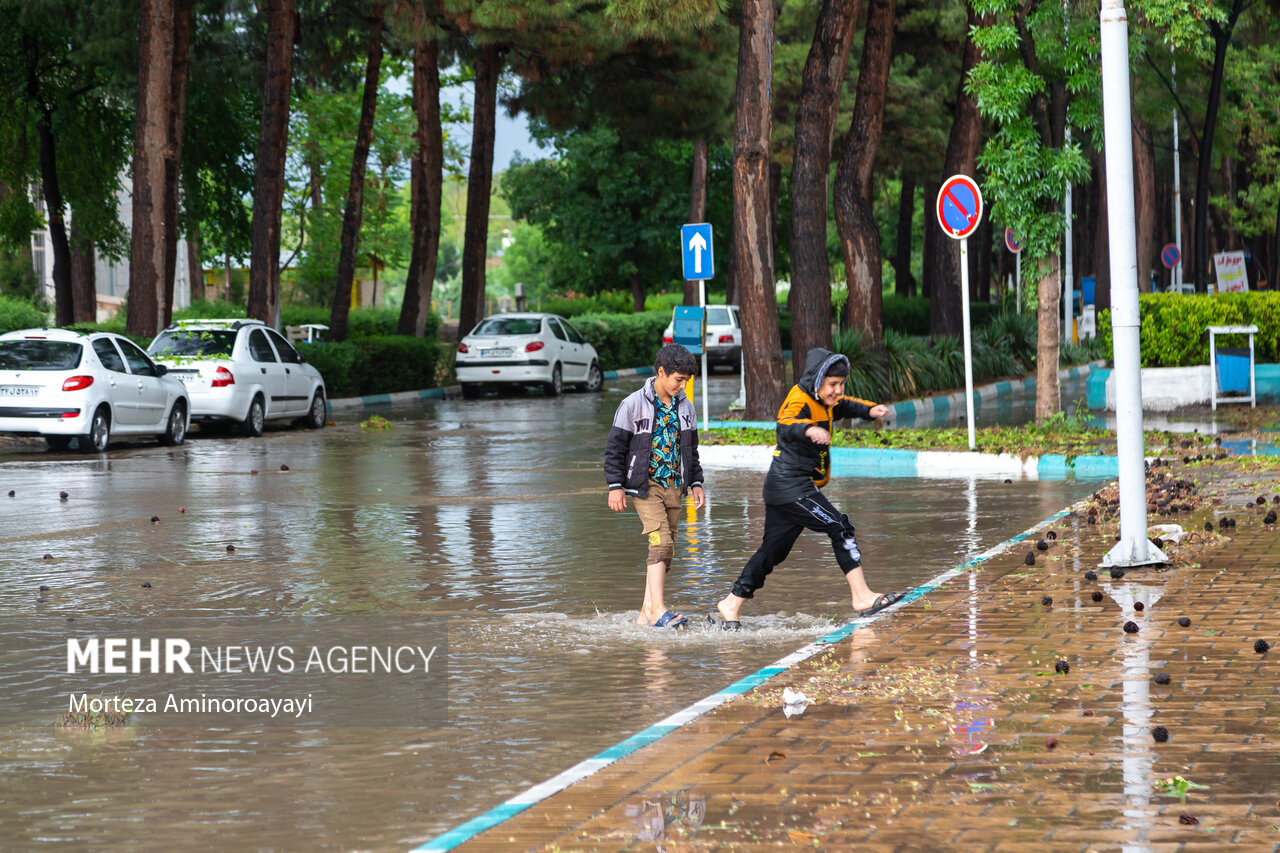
{"points": [[302, 359], [161, 370]]}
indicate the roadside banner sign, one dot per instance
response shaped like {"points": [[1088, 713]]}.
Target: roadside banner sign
{"points": [[1232, 277], [1011, 241], [959, 206], [1169, 256], [697, 252]]}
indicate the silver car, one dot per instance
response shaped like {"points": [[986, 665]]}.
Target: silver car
{"points": [[88, 387]]}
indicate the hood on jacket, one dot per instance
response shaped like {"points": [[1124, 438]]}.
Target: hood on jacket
{"points": [[817, 364]]}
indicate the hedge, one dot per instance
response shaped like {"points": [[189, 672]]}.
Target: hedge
{"points": [[377, 365], [624, 340], [18, 314], [910, 314], [1173, 326]]}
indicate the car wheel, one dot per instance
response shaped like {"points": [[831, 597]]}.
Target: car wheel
{"points": [[470, 390], [99, 434], [58, 442], [176, 430], [595, 379], [256, 418], [316, 414], [555, 387]]}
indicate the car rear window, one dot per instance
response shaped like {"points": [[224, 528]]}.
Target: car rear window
{"points": [[192, 342], [40, 355], [718, 317], [509, 326]]}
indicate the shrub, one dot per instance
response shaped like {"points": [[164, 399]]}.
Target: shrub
{"points": [[20, 314], [1172, 331], [867, 377], [361, 322], [909, 315], [375, 365], [575, 304], [624, 340], [204, 309]]}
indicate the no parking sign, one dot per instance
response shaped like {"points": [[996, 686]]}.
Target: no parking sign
{"points": [[1169, 256], [1011, 241], [959, 206]]}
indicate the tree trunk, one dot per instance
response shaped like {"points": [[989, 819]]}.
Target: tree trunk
{"points": [[184, 24], [84, 291], [961, 159], [1102, 242], [932, 241], [64, 305], [353, 214], [904, 283], [855, 220], [824, 72], [697, 205], [752, 229], [151, 142], [981, 282], [195, 274], [1048, 321], [425, 189], [268, 177], [1204, 164], [1144, 191], [637, 292], [479, 184]]}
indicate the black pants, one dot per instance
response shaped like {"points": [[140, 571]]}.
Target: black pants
{"points": [[783, 524]]}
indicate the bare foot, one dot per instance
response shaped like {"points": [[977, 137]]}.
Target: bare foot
{"points": [[730, 607]]}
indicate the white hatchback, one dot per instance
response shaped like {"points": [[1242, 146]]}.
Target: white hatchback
{"points": [[724, 336], [242, 372], [89, 386], [526, 349]]}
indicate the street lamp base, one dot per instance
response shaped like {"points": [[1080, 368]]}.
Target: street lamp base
{"points": [[1133, 553]]}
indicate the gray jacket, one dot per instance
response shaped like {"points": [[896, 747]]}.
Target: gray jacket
{"points": [[630, 443]]}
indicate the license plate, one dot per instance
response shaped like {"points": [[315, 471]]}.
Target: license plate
{"points": [[494, 353], [19, 390]]}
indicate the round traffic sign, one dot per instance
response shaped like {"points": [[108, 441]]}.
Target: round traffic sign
{"points": [[1011, 241], [1169, 256], [959, 206]]}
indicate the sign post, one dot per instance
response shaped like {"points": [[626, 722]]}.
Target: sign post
{"points": [[959, 212], [698, 255], [1013, 244]]}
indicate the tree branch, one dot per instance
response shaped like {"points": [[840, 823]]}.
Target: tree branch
{"points": [[1186, 117], [1039, 102]]}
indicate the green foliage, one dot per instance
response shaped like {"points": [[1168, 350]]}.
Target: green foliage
{"points": [[909, 315], [867, 378], [606, 208], [361, 323], [1026, 172], [375, 365], [624, 340], [20, 314], [17, 278], [573, 304], [1172, 331], [204, 309]]}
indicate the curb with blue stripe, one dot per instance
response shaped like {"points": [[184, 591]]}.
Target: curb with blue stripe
{"points": [[532, 796]]}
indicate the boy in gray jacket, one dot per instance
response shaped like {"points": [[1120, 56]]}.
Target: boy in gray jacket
{"points": [[652, 455]]}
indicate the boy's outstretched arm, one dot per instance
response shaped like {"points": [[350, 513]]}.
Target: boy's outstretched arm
{"points": [[856, 407]]}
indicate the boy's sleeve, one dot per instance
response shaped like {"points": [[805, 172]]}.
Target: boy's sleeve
{"points": [[696, 468], [852, 407], [794, 418], [615, 450]]}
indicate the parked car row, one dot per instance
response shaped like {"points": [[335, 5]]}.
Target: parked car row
{"points": [[89, 386]]}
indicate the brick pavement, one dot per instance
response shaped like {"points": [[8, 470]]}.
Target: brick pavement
{"points": [[945, 726]]}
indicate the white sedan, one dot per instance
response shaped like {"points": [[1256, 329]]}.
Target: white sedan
{"points": [[724, 336], [89, 386], [525, 349], [241, 372]]}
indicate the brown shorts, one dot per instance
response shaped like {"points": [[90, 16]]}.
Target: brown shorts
{"points": [[660, 515]]}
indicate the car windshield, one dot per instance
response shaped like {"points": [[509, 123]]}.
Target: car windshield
{"points": [[193, 342], [40, 355], [718, 317], [498, 326]]}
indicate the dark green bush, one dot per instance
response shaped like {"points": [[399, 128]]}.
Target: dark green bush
{"points": [[624, 340], [1173, 326], [375, 365], [361, 322], [909, 315], [20, 314]]}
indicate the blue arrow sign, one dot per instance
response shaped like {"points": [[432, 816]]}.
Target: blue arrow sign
{"points": [[696, 251]]}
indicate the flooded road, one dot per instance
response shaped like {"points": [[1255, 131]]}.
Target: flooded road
{"points": [[491, 513]]}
